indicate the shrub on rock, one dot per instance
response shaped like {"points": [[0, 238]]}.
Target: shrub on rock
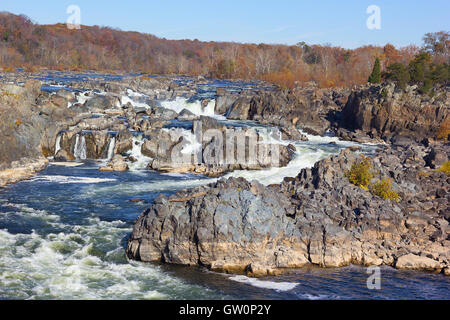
{"points": [[445, 168], [361, 173], [383, 189]]}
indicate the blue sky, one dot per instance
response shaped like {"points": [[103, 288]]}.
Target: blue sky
{"points": [[340, 23]]}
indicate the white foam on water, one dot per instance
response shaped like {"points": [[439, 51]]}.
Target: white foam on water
{"points": [[80, 263], [111, 146], [308, 296], [133, 188], [58, 144], [132, 93], [193, 145], [304, 158], [79, 150], [136, 152], [277, 286], [81, 98], [69, 179], [136, 104], [307, 154], [26, 212], [328, 140], [195, 107]]}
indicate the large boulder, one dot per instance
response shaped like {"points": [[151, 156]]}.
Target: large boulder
{"points": [[239, 110], [186, 115], [413, 262], [239, 226], [117, 163], [224, 101], [101, 102], [161, 113], [63, 156]]}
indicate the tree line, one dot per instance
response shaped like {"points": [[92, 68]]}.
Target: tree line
{"points": [[24, 44], [430, 66]]}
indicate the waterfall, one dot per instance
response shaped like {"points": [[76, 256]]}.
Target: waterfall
{"points": [[112, 145], [80, 148], [136, 152], [58, 144], [195, 107]]}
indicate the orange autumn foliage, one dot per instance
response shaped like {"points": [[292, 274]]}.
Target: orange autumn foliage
{"points": [[31, 46]]}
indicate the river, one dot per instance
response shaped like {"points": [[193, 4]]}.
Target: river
{"points": [[63, 235]]}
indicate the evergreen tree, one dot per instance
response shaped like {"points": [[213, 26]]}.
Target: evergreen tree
{"points": [[375, 77], [399, 74]]}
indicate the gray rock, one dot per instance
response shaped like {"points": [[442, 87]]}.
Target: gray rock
{"points": [[186, 115], [316, 218], [63, 156]]}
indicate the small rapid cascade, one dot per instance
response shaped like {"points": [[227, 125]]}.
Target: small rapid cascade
{"points": [[179, 104], [271, 136], [192, 145], [58, 144], [136, 152], [111, 147], [80, 151]]}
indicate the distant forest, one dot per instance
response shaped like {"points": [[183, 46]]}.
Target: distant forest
{"points": [[24, 44]]}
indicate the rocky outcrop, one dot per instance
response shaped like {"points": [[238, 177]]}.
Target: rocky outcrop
{"points": [[64, 156], [118, 163], [388, 112], [310, 108], [204, 149], [30, 121], [21, 170], [316, 218]]}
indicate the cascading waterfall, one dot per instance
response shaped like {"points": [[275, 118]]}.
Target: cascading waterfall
{"points": [[192, 146], [136, 152], [195, 107], [80, 148], [58, 144], [112, 145]]}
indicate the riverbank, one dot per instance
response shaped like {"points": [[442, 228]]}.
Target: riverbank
{"points": [[22, 171]]}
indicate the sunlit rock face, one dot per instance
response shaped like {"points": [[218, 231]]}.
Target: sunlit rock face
{"points": [[317, 218]]}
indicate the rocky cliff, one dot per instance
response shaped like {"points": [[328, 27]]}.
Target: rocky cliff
{"points": [[29, 124], [388, 112], [362, 114], [317, 218], [309, 108]]}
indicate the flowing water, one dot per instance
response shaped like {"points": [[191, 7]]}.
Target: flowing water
{"points": [[63, 235]]}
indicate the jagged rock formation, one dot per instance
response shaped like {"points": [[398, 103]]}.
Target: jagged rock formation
{"points": [[309, 108], [388, 112], [166, 148], [363, 114], [29, 124], [318, 218]]}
